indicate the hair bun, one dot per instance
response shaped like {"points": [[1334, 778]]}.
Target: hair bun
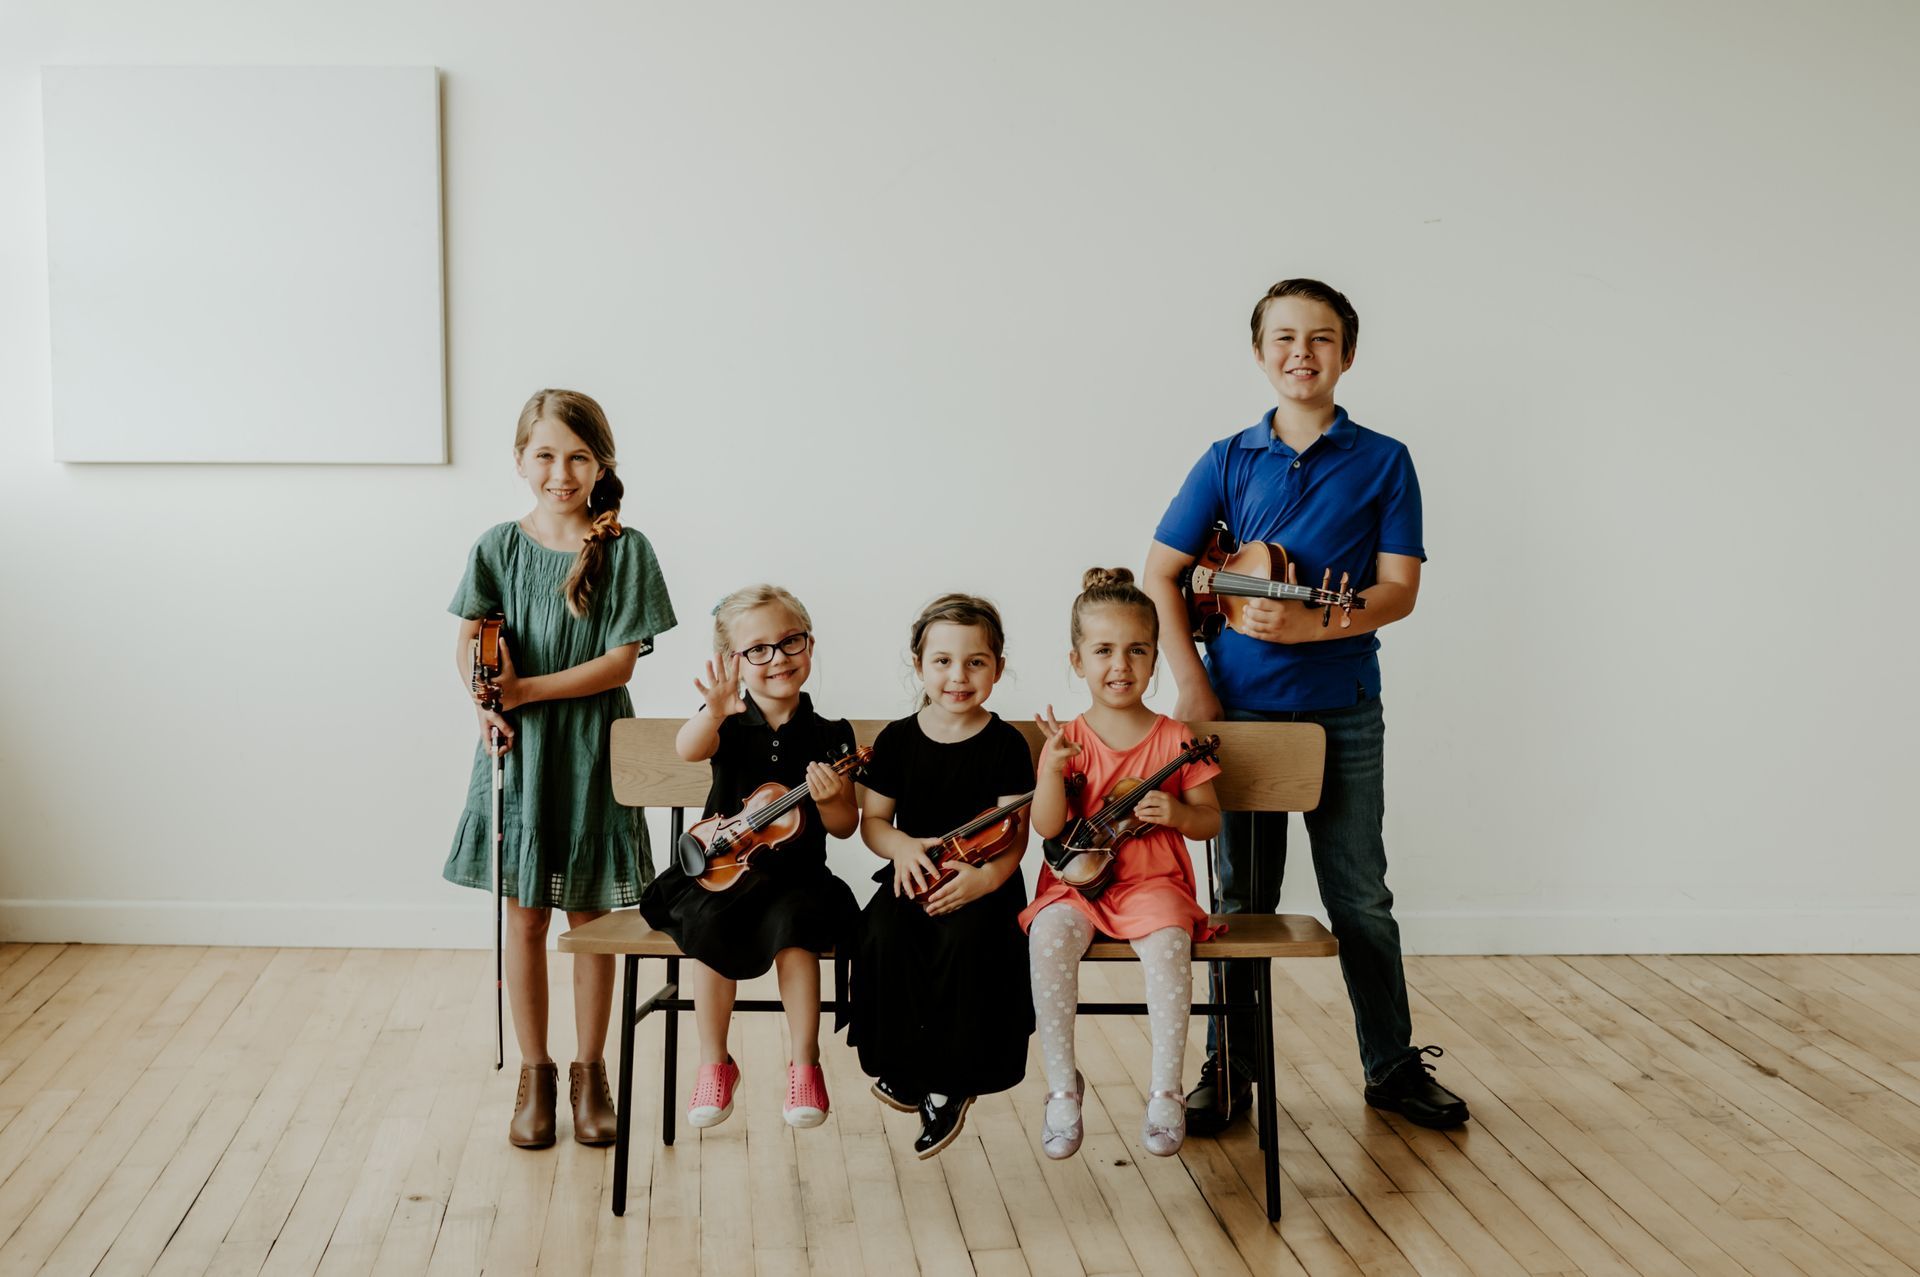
{"points": [[1096, 577]]}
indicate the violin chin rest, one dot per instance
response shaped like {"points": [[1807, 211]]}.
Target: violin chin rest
{"points": [[691, 855]]}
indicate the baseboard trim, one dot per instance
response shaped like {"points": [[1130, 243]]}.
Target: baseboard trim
{"points": [[277, 924], [1860, 930], [262, 924]]}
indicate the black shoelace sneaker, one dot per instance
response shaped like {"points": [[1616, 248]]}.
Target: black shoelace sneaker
{"points": [[1205, 1113], [1411, 1092], [940, 1123]]}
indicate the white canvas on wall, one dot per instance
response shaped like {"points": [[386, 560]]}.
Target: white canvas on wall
{"points": [[245, 264]]}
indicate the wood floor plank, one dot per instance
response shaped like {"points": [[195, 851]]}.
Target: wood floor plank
{"points": [[205, 1107], [193, 1239], [127, 1072], [260, 1227], [245, 1111]]}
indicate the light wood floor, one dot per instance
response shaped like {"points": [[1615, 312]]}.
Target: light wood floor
{"points": [[186, 1110]]}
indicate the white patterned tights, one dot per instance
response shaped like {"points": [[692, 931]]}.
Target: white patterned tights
{"points": [[1059, 937]]}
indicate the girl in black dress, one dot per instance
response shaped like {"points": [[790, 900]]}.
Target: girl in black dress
{"points": [[758, 726], [942, 1007]]}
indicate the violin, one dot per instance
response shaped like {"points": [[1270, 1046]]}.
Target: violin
{"points": [[1228, 572], [1083, 854], [981, 839], [486, 662], [718, 850]]}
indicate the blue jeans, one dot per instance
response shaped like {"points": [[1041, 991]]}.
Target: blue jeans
{"points": [[1350, 861]]}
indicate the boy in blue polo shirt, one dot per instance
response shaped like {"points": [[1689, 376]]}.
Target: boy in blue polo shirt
{"points": [[1340, 497]]}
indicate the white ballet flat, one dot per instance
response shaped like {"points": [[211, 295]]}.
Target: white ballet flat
{"points": [[1060, 1145], [1164, 1141]]}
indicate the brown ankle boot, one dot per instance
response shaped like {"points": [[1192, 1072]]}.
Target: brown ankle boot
{"points": [[533, 1111], [593, 1117]]}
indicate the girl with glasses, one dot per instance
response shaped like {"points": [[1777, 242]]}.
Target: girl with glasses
{"points": [[757, 725]]}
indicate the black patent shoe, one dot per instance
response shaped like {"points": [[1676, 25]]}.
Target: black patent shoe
{"points": [[1206, 1114], [898, 1098], [1411, 1092], [940, 1124]]}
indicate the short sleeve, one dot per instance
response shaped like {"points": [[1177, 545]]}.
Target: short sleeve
{"points": [[479, 592], [1400, 519], [1193, 774], [638, 594], [1198, 505], [837, 735], [886, 773], [1013, 763]]}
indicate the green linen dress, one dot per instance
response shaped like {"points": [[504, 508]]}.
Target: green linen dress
{"points": [[567, 844]]}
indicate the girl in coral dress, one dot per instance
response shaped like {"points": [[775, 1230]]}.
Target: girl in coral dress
{"points": [[1151, 900]]}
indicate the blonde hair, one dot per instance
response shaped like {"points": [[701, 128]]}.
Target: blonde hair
{"points": [[580, 414], [743, 601], [1112, 587], [958, 609]]}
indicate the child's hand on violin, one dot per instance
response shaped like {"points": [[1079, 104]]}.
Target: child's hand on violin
{"points": [[913, 869], [968, 884], [828, 785], [1279, 620], [721, 691], [506, 683], [1058, 749], [489, 722], [1158, 808]]}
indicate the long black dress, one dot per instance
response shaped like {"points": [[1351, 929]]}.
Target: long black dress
{"points": [[789, 898], [944, 1004]]}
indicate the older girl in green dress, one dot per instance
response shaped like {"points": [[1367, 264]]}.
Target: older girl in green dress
{"points": [[583, 599]]}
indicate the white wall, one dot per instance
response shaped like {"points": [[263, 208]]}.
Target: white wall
{"points": [[1636, 283]]}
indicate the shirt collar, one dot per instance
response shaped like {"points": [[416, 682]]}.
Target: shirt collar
{"points": [[1341, 434], [755, 717]]}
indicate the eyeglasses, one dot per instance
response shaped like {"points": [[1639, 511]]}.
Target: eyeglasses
{"points": [[791, 645]]}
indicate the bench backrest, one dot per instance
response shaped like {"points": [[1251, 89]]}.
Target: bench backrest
{"points": [[1263, 766]]}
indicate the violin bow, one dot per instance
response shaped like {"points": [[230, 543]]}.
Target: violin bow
{"points": [[486, 668]]}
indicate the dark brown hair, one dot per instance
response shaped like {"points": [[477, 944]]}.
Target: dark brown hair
{"points": [[1314, 290], [1112, 587], [580, 414], [957, 609]]}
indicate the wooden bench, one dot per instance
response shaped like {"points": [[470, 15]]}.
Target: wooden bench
{"points": [[1265, 767]]}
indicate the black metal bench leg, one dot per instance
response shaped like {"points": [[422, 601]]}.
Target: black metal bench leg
{"points": [[1269, 1105], [1262, 1070], [623, 1117], [671, 1058]]}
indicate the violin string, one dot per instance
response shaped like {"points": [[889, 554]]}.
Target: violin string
{"points": [[1260, 583], [998, 814], [788, 801], [1122, 805]]}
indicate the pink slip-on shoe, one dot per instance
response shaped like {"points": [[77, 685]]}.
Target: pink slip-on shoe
{"points": [[712, 1101], [806, 1095]]}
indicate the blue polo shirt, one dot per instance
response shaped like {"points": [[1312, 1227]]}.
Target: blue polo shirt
{"points": [[1350, 496]]}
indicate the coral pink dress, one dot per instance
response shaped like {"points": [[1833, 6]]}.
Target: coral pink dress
{"points": [[1152, 884]]}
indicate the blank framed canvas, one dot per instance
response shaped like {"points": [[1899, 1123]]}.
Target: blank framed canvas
{"points": [[245, 264]]}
